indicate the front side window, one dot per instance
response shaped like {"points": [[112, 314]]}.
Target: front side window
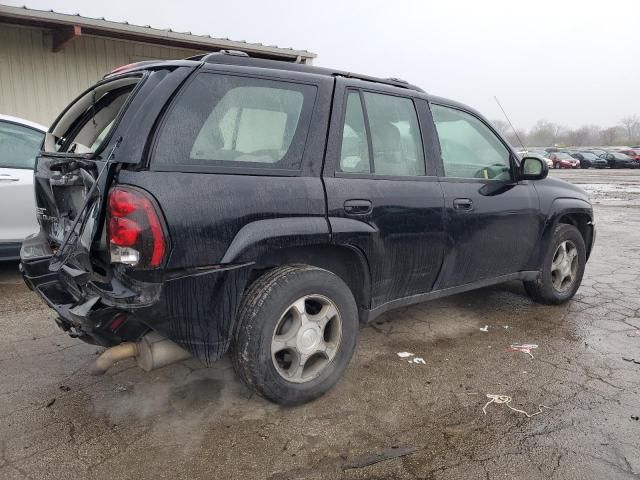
{"points": [[469, 148], [18, 145], [396, 143], [233, 121]]}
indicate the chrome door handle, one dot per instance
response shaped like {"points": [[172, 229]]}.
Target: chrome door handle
{"points": [[465, 204], [5, 177]]}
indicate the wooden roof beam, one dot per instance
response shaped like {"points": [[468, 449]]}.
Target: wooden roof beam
{"points": [[63, 35]]}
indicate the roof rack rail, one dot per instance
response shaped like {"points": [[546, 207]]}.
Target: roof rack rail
{"points": [[235, 57]]}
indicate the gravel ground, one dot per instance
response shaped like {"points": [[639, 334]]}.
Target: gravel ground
{"points": [[183, 421]]}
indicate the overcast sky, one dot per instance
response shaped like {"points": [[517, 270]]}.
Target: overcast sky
{"points": [[568, 61]]}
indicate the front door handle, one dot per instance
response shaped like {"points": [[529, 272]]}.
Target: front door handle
{"points": [[5, 177], [357, 207], [465, 204]]}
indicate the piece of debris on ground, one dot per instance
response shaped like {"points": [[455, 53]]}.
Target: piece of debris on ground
{"points": [[524, 348], [507, 401], [485, 328]]}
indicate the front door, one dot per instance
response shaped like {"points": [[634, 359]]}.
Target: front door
{"points": [[493, 221], [381, 196]]}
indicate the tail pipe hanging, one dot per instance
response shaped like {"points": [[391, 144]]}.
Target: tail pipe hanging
{"points": [[151, 352]]}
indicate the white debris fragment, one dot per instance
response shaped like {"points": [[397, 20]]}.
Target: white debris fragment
{"points": [[485, 328], [498, 399], [419, 360], [506, 327], [524, 348], [405, 354]]}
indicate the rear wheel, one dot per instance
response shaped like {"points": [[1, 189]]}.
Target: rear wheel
{"points": [[297, 330], [563, 268]]}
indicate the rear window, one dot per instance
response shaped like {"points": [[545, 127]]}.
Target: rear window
{"points": [[88, 121], [233, 121]]}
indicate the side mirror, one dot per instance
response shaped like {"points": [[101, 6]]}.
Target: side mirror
{"points": [[533, 168]]}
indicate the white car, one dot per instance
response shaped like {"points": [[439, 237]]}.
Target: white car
{"points": [[19, 144]]}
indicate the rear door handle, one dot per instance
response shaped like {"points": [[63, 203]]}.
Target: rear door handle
{"points": [[357, 207], [465, 204]]}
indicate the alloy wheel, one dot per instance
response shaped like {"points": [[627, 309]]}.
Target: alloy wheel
{"points": [[564, 266], [306, 338]]}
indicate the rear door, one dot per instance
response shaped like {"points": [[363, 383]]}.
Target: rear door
{"points": [[382, 193], [19, 146], [493, 221]]}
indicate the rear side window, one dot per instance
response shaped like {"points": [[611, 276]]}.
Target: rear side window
{"points": [[18, 145], [88, 121], [396, 143], [234, 121]]}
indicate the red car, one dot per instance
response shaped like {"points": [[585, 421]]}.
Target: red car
{"points": [[635, 154], [564, 160]]}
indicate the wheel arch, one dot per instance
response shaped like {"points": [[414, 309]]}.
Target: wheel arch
{"points": [[571, 211], [346, 261]]}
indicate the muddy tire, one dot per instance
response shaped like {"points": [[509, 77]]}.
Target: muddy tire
{"points": [[296, 332], [562, 268]]}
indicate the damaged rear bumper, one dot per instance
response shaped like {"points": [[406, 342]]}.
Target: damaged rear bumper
{"points": [[195, 309]]}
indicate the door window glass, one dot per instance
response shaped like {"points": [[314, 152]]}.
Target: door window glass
{"points": [[354, 154], [469, 148], [234, 121], [395, 135], [18, 145]]}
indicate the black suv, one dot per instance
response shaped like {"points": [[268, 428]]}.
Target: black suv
{"points": [[226, 203]]}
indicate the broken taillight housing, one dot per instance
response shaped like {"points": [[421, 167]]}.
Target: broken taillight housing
{"points": [[135, 229]]}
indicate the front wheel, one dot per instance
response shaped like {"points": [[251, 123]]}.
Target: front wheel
{"points": [[562, 269], [296, 333]]}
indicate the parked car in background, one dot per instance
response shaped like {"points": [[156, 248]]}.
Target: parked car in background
{"points": [[564, 160], [19, 143], [634, 154], [597, 151], [619, 160], [588, 159]]}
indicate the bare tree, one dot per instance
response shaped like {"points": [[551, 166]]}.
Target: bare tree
{"points": [[610, 135], [631, 126]]}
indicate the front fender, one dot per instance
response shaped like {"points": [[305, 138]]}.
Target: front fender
{"points": [[559, 208]]}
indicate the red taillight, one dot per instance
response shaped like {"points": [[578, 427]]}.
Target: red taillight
{"points": [[123, 232], [134, 228]]}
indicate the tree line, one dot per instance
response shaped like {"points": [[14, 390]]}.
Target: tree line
{"points": [[545, 133]]}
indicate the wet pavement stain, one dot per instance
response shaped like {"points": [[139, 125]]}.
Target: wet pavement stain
{"points": [[185, 421]]}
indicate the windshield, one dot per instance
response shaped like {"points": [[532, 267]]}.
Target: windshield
{"points": [[588, 155], [89, 120], [621, 156], [564, 156]]}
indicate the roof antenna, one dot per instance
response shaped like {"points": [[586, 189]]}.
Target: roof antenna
{"points": [[510, 124]]}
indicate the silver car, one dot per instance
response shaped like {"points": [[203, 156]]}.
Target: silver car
{"points": [[19, 143]]}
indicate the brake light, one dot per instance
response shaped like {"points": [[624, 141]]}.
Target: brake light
{"points": [[134, 228]]}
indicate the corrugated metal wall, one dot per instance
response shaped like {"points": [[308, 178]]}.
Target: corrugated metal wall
{"points": [[36, 83]]}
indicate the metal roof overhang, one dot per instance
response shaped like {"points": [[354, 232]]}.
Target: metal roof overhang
{"points": [[65, 27]]}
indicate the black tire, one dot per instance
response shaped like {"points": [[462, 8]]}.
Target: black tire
{"points": [[542, 290], [261, 308]]}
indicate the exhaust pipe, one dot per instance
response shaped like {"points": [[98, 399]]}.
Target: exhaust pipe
{"points": [[151, 352]]}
